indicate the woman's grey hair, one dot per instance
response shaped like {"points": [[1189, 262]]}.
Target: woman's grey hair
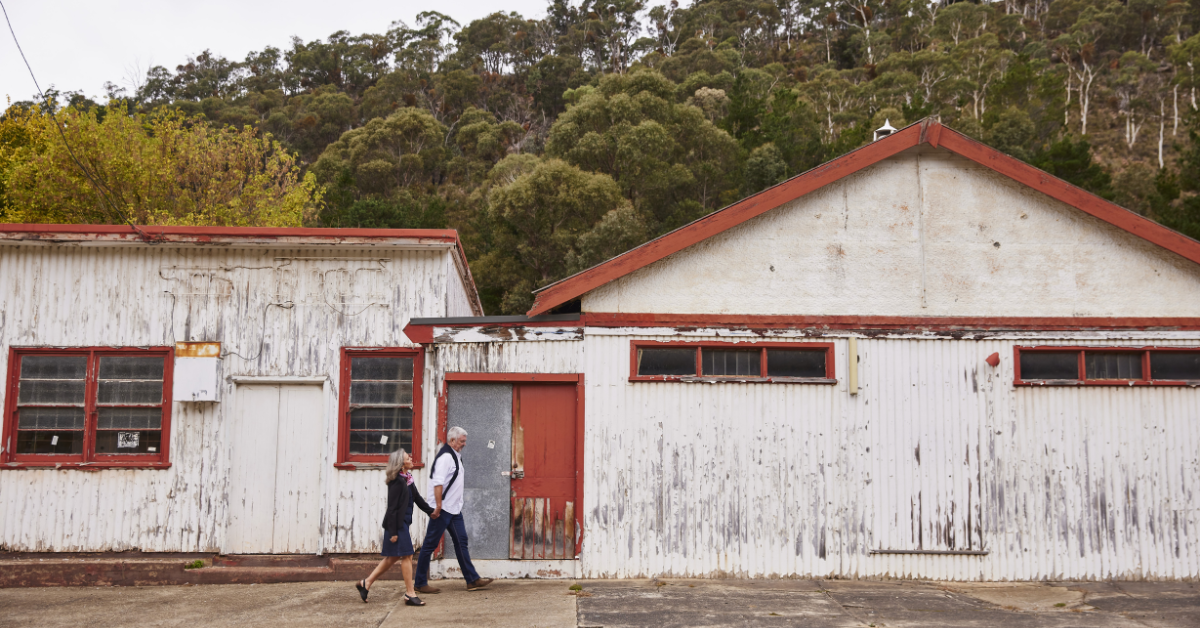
{"points": [[395, 464], [454, 433]]}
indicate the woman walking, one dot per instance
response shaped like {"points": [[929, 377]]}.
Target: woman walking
{"points": [[397, 544]]}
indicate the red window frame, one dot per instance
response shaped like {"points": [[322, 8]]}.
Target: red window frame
{"points": [[761, 347], [88, 458], [1083, 378], [375, 461]]}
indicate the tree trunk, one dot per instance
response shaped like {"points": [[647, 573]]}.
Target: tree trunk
{"points": [[1162, 126], [1175, 104], [1085, 88]]}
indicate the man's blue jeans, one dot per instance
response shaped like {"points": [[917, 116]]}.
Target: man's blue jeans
{"points": [[458, 534]]}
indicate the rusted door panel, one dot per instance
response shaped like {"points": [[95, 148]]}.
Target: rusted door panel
{"points": [[544, 470]]}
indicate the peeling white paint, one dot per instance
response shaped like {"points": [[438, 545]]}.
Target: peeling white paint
{"points": [[986, 246], [278, 313], [794, 480]]}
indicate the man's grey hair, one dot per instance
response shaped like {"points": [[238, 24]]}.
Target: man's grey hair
{"points": [[454, 433]]}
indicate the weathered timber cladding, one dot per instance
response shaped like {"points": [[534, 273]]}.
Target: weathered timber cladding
{"points": [[278, 312], [792, 480]]}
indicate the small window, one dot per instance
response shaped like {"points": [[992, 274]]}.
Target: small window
{"points": [[796, 363], [1107, 366], [707, 361], [738, 363], [90, 406], [1047, 365], [381, 404], [1175, 365], [666, 362], [1113, 364]]}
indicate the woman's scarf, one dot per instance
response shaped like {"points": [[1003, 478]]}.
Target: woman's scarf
{"points": [[407, 476]]}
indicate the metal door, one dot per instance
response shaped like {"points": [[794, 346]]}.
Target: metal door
{"points": [[542, 516], [274, 470], [484, 411]]}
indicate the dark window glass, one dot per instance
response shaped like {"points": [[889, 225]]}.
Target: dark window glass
{"points": [[1039, 365], [796, 363], [53, 367], [124, 368], [49, 442], [666, 361], [50, 430], [381, 405], [1112, 364], [738, 362], [53, 390], [130, 396], [51, 393], [128, 441], [1176, 365]]}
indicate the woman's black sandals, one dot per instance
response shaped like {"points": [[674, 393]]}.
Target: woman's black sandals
{"points": [[361, 585], [413, 601]]}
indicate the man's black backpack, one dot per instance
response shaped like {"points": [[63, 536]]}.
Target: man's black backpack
{"points": [[446, 449]]}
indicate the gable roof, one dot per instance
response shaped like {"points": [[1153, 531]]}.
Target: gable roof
{"points": [[927, 131]]}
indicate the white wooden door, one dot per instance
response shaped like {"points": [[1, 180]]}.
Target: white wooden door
{"points": [[274, 471]]}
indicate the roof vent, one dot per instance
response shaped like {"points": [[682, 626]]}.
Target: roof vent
{"points": [[885, 130]]}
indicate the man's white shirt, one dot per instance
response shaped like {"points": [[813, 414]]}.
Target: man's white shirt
{"points": [[443, 470]]}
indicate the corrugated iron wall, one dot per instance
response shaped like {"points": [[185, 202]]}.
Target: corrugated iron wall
{"points": [[939, 451], [277, 312]]}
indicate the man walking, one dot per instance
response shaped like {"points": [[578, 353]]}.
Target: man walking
{"points": [[446, 493]]}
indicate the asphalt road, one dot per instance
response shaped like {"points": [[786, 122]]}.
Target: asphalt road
{"points": [[616, 603]]}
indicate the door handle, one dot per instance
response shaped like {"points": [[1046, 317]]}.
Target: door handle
{"points": [[516, 475]]}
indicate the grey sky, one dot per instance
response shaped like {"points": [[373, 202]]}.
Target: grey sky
{"points": [[78, 45]]}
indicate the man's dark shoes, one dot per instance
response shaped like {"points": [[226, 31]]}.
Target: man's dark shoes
{"points": [[362, 589], [428, 590], [479, 584]]}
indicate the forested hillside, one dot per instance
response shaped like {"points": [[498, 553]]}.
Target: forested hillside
{"points": [[552, 144]]}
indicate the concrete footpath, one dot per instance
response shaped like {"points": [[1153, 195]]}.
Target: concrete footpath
{"points": [[615, 603]]}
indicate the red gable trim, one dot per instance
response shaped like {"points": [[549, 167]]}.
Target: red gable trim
{"points": [[184, 234], [928, 131]]}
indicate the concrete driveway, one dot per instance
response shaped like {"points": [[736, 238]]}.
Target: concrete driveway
{"points": [[615, 603]]}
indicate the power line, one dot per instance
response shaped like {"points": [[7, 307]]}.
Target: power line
{"points": [[58, 125]]}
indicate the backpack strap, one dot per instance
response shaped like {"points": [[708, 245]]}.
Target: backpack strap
{"points": [[447, 449]]}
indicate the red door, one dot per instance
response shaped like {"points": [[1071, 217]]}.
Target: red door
{"points": [[544, 472]]}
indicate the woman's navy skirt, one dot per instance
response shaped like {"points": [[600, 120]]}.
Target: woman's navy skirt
{"points": [[402, 547]]}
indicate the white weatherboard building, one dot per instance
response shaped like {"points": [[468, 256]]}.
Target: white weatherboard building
{"points": [[923, 359], [202, 389]]}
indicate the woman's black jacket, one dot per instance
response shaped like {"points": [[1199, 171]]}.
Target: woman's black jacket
{"points": [[401, 497]]}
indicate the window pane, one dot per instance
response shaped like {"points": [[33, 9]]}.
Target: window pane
{"points": [[129, 392], [50, 419], [381, 368], [53, 367], [114, 367], [1113, 364], [49, 442], [666, 361], [128, 441], [129, 419], [726, 362], [379, 442], [796, 363], [1175, 365], [51, 391], [381, 419], [1036, 365], [381, 393]]}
